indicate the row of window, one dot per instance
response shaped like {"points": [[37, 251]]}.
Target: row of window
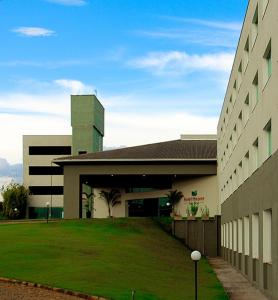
{"points": [[251, 99], [260, 150], [45, 170], [46, 190], [267, 70], [49, 150], [237, 236]]}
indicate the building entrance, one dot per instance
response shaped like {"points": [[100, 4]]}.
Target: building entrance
{"points": [[153, 207]]}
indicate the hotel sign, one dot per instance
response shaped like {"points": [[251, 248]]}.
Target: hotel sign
{"points": [[194, 197]]}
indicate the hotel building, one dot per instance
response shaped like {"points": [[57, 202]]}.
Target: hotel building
{"points": [[43, 178], [247, 151]]}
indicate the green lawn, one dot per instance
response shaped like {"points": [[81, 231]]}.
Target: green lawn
{"points": [[105, 257]]}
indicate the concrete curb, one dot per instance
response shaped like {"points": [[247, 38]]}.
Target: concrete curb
{"points": [[54, 289]]}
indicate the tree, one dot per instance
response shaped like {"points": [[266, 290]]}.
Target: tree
{"points": [[15, 200], [111, 198], [174, 197]]}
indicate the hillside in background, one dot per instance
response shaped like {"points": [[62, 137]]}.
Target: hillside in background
{"points": [[10, 171]]}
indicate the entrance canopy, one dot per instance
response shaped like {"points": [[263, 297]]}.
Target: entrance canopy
{"points": [[154, 166]]}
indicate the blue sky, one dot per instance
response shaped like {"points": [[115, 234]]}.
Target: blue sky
{"points": [[159, 67]]}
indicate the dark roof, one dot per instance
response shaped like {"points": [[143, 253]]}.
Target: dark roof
{"points": [[172, 150]]}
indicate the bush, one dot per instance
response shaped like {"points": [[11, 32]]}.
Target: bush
{"points": [[15, 200]]}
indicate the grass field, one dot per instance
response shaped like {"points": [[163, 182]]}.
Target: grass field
{"points": [[105, 257]]}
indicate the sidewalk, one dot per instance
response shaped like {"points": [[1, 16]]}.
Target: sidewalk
{"points": [[235, 284]]}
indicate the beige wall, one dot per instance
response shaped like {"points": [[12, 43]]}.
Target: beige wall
{"points": [[257, 116], [42, 160], [205, 185]]}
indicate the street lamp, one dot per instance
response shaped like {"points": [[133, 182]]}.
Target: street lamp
{"points": [[47, 211], [196, 256]]}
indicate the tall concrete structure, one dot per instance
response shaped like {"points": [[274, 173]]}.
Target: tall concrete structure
{"points": [[44, 179], [247, 151], [87, 121]]}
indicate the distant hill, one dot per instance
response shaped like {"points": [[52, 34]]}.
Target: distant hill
{"points": [[8, 170]]}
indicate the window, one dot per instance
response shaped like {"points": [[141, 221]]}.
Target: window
{"points": [[246, 54], [239, 236], [267, 65], [49, 150], [267, 235], [235, 235], [268, 138], [246, 235], [227, 242], [239, 124], [255, 92], [255, 23], [231, 235], [46, 190], [235, 135], [246, 166], [240, 173], [234, 92], [246, 110], [255, 236], [235, 180], [264, 6], [38, 170], [239, 75], [256, 154]]}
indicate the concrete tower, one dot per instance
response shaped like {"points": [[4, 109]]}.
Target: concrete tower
{"points": [[87, 121]]}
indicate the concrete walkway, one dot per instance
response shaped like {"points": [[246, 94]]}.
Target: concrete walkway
{"points": [[235, 284]]}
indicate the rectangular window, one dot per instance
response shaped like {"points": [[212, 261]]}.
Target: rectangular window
{"points": [[267, 235], [264, 6], [267, 65], [235, 235], [246, 235], [239, 229], [246, 111], [239, 124], [234, 136], [246, 166], [230, 235], [255, 236], [246, 54], [46, 170], [256, 154], [254, 29], [268, 135], [240, 173], [50, 150], [239, 75], [255, 90], [46, 190], [227, 235]]}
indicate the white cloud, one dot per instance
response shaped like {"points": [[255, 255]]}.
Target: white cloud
{"points": [[75, 87], [34, 31], [177, 62], [49, 113], [232, 26], [134, 129], [69, 2]]}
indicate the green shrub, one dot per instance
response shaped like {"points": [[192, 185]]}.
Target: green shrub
{"points": [[15, 200]]}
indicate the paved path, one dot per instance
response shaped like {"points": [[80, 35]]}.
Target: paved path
{"points": [[235, 284], [10, 291]]}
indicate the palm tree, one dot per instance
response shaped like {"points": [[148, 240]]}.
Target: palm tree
{"points": [[111, 198], [174, 197]]}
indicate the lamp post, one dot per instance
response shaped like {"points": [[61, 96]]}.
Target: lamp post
{"points": [[196, 256], [47, 211]]}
